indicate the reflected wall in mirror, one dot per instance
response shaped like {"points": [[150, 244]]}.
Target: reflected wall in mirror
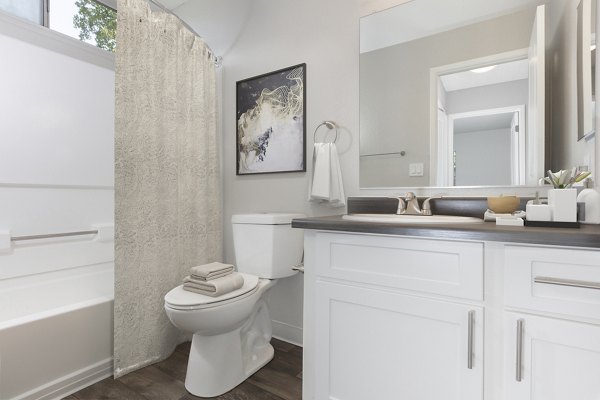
{"points": [[453, 93], [586, 58]]}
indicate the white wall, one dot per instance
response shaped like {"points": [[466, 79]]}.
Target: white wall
{"points": [[483, 157], [280, 34]]}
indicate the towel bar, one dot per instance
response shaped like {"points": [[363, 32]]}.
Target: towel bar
{"points": [[330, 125]]}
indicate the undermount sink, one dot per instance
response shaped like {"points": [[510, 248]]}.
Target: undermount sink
{"points": [[413, 219]]}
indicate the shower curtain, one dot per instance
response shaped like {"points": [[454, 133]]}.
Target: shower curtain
{"points": [[167, 191]]}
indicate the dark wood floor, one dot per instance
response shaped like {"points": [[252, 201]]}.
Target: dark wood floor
{"points": [[280, 379]]}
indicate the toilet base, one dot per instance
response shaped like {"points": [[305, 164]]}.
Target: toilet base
{"points": [[219, 363], [216, 364]]}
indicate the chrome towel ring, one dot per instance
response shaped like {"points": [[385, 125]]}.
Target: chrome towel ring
{"points": [[330, 125]]}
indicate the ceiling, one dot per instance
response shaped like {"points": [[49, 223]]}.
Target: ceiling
{"points": [[220, 22], [420, 18], [506, 72], [483, 123]]}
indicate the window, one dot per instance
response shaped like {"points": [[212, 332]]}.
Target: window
{"points": [[92, 21], [32, 10]]}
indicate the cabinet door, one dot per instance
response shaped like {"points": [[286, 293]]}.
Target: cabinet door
{"points": [[376, 344], [556, 359]]}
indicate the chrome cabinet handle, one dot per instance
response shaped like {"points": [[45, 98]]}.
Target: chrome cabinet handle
{"points": [[299, 268], [567, 282], [519, 366], [470, 339]]}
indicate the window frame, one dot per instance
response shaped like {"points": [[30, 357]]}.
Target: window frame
{"points": [[41, 36]]}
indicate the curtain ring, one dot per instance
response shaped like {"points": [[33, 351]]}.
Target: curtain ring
{"points": [[330, 125]]}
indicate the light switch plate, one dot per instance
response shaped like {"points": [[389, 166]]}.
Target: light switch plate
{"points": [[415, 169]]}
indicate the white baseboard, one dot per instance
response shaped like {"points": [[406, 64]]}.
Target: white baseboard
{"points": [[71, 383], [287, 333]]}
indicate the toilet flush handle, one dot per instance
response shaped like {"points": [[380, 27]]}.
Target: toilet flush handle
{"points": [[299, 267]]}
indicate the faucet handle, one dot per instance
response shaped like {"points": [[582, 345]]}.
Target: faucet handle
{"points": [[401, 206], [426, 209]]}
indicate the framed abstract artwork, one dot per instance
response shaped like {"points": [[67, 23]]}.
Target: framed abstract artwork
{"points": [[271, 122]]}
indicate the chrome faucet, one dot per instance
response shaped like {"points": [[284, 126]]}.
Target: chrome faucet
{"points": [[409, 205], [412, 204]]}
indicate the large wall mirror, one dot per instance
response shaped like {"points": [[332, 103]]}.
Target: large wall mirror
{"points": [[586, 68], [474, 92]]}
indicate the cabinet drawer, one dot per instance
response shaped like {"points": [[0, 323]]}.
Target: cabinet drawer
{"points": [[449, 268], [564, 281]]}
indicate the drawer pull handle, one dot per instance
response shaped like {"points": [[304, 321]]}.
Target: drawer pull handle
{"points": [[567, 282], [519, 369], [470, 340]]}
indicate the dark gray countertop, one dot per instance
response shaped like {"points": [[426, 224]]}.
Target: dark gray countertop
{"points": [[585, 236]]}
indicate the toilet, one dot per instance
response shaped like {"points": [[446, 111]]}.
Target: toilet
{"points": [[232, 333]]}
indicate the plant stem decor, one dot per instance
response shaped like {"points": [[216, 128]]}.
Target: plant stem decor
{"points": [[564, 179]]}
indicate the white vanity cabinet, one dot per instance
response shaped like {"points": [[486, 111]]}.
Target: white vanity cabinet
{"points": [[552, 336], [551, 359], [397, 317], [394, 318]]}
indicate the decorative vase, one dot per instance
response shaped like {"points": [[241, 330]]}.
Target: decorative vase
{"points": [[591, 199], [564, 204]]}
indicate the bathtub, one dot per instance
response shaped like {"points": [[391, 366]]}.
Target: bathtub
{"points": [[56, 332]]}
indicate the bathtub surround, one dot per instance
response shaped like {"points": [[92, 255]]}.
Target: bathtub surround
{"points": [[56, 175], [167, 190]]}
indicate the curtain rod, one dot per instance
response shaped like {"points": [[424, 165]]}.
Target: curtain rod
{"points": [[218, 59]]}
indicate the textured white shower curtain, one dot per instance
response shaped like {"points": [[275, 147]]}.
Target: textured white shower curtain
{"points": [[167, 192]]}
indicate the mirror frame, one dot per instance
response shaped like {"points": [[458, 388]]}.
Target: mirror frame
{"points": [[476, 190]]}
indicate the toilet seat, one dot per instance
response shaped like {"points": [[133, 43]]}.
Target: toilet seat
{"points": [[180, 299]]}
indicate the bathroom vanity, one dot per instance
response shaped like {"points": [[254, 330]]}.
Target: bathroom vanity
{"points": [[458, 312]]}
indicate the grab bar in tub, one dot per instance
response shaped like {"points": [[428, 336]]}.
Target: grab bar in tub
{"points": [[101, 232], [53, 235]]}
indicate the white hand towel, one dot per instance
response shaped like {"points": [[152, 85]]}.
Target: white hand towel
{"points": [[326, 184], [338, 197], [211, 271], [321, 182], [214, 287]]}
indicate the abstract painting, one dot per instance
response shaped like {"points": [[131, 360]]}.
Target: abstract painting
{"points": [[271, 118]]}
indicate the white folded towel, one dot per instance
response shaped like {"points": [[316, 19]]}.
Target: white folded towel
{"points": [[326, 184], [214, 287], [211, 271]]}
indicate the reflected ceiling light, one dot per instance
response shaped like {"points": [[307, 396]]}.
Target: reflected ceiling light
{"points": [[483, 69], [593, 47]]}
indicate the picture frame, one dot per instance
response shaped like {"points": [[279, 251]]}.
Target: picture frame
{"points": [[271, 122]]}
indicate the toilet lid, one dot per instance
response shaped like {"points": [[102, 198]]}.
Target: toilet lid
{"points": [[179, 298]]}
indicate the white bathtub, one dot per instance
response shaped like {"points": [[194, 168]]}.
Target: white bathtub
{"points": [[56, 332]]}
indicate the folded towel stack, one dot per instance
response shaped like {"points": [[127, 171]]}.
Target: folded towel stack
{"points": [[211, 271], [214, 279]]}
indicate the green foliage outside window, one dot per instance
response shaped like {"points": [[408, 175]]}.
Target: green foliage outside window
{"points": [[97, 21]]}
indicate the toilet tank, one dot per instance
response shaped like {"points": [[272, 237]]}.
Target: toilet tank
{"points": [[266, 245]]}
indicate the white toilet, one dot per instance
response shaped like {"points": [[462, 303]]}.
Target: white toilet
{"points": [[232, 332]]}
